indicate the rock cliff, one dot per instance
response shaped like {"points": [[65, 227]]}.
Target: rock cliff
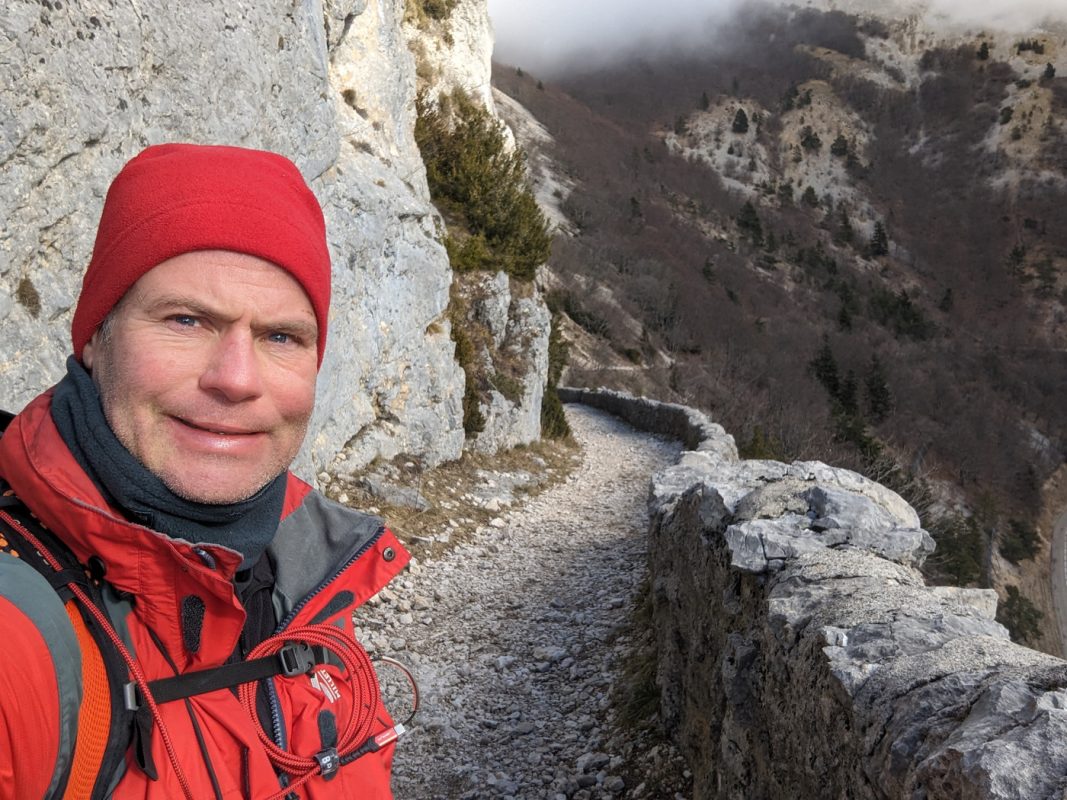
{"points": [[84, 86]]}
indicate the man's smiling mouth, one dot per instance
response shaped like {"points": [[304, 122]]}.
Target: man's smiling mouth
{"points": [[215, 429]]}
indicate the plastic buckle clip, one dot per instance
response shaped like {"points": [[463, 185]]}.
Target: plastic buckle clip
{"points": [[296, 659], [131, 693]]}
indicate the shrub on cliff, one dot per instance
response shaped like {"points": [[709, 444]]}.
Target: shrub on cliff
{"points": [[1019, 542], [420, 11], [1020, 616], [554, 423], [479, 184], [958, 557]]}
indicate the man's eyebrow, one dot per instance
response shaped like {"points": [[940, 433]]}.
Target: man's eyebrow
{"points": [[169, 301], [308, 331]]}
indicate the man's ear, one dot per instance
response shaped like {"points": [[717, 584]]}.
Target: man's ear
{"points": [[90, 350]]}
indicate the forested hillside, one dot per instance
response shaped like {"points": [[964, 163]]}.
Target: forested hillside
{"points": [[843, 242]]}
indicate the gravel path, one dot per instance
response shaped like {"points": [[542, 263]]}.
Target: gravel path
{"points": [[517, 638]]}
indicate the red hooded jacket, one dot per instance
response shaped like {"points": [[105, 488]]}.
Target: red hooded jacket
{"points": [[329, 560]]}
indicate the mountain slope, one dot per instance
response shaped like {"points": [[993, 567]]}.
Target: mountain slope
{"points": [[866, 266]]}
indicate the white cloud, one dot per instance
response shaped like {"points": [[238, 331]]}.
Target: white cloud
{"points": [[546, 35], [541, 35], [1010, 15]]}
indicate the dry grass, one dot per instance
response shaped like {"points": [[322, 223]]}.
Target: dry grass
{"points": [[457, 492]]}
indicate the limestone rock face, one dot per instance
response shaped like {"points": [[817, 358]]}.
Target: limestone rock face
{"points": [[457, 52], [517, 420], [512, 355], [85, 86]]}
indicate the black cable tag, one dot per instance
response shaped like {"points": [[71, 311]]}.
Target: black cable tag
{"points": [[329, 762]]}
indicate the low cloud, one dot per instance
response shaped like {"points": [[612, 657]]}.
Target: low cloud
{"points": [[1014, 16], [548, 36]]}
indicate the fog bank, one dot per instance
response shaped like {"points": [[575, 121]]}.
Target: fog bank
{"points": [[549, 36]]}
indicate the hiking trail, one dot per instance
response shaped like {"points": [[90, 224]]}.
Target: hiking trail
{"points": [[518, 637]]}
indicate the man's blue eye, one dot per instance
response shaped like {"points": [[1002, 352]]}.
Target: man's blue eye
{"points": [[184, 319], [280, 338]]}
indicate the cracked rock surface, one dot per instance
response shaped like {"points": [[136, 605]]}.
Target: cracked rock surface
{"points": [[519, 639]]}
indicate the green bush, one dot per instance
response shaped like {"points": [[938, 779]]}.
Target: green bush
{"points": [[748, 222], [762, 445], [507, 385], [1020, 616], [554, 423], [809, 139], [468, 253], [420, 11], [480, 184], [586, 320], [473, 419], [1020, 542], [895, 311], [958, 557]]}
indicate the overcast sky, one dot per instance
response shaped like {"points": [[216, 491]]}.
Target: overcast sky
{"points": [[539, 34]]}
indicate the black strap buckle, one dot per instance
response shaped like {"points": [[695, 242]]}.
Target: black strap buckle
{"points": [[296, 659]]}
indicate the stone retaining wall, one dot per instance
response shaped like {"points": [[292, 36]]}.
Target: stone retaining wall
{"points": [[802, 654]]}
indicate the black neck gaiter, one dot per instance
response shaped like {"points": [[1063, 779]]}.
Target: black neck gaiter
{"points": [[247, 526]]}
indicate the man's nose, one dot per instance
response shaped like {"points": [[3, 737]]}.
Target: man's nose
{"points": [[233, 369]]}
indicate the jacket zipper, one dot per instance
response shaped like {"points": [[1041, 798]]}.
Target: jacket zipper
{"points": [[272, 695]]}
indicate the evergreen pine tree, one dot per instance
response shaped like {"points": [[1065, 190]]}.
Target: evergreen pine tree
{"points": [[824, 368], [809, 139], [844, 318], [879, 240], [1049, 73], [844, 233], [740, 121], [983, 51], [839, 147], [946, 300], [704, 101], [848, 397], [749, 222], [876, 386]]}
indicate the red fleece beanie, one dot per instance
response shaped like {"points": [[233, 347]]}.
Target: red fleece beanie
{"points": [[177, 198]]}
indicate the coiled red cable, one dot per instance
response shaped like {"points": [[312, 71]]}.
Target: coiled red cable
{"points": [[359, 676]]}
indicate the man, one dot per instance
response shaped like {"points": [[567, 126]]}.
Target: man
{"points": [[159, 463]]}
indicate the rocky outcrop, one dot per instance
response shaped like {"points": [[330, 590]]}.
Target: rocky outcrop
{"points": [[84, 86], [454, 52], [507, 321], [801, 653], [513, 357]]}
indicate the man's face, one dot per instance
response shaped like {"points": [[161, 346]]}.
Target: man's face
{"points": [[207, 372]]}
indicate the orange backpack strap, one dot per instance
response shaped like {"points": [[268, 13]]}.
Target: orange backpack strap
{"points": [[94, 717], [104, 727]]}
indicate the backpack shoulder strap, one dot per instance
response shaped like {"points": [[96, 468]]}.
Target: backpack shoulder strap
{"points": [[104, 725]]}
